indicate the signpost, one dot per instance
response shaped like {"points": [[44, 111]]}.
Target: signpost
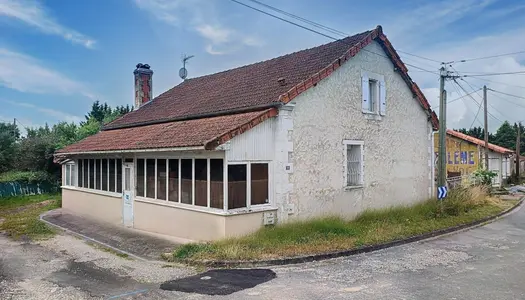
{"points": [[441, 193]]}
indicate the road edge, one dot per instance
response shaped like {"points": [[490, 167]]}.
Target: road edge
{"points": [[324, 256]]}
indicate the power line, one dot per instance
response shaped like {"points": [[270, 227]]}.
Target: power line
{"points": [[324, 27], [464, 102], [494, 74], [507, 100], [488, 103], [499, 82], [459, 98], [507, 94], [478, 103], [315, 31], [487, 57]]}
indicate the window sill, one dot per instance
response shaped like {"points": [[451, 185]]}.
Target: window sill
{"points": [[353, 187], [96, 192], [369, 115], [209, 210]]}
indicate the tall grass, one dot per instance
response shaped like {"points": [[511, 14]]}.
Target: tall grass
{"points": [[463, 205]]}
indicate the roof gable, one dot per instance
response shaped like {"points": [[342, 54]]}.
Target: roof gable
{"points": [[256, 86]]}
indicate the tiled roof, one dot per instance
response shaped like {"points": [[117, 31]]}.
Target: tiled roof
{"points": [[479, 142], [198, 111], [206, 132], [257, 85]]}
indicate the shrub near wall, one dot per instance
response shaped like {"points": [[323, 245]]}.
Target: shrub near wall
{"points": [[16, 183]]}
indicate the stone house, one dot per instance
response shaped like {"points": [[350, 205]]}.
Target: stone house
{"points": [[331, 130]]}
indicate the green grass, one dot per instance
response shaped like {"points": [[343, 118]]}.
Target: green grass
{"points": [[333, 233], [20, 215]]}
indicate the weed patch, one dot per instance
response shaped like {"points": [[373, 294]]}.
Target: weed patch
{"points": [[463, 205]]}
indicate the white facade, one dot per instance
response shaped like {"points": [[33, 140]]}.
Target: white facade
{"points": [[308, 161]]}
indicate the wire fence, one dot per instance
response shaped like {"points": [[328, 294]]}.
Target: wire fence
{"points": [[8, 189]]}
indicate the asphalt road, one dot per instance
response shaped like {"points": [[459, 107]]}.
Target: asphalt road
{"points": [[484, 263]]}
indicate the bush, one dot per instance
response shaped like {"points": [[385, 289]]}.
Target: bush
{"points": [[463, 199], [27, 177], [484, 176]]}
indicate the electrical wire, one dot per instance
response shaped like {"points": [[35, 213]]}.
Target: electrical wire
{"points": [[320, 33], [494, 74], [499, 82], [476, 114], [459, 98], [487, 57], [324, 27], [478, 103], [470, 85], [507, 94]]}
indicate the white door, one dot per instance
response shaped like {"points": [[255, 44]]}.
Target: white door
{"points": [[128, 194]]}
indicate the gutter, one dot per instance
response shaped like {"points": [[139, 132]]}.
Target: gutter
{"points": [[194, 148], [197, 116]]}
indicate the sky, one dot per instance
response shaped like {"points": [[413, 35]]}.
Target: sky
{"points": [[57, 57]]}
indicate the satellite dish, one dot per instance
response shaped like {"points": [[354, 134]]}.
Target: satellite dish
{"points": [[183, 73]]}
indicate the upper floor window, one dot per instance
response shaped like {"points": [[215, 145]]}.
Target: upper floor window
{"points": [[373, 94]]}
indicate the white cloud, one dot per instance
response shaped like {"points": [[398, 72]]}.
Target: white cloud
{"points": [[26, 74], [203, 19], [32, 13], [59, 115]]}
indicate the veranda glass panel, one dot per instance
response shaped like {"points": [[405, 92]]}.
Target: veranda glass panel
{"points": [[112, 174], [216, 184], [161, 179], [174, 180], [104, 174], [201, 182], [99, 174], [119, 175], [259, 184], [186, 184], [150, 178], [236, 186], [140, 178]]}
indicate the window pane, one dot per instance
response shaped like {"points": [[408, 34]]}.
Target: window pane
{"points": [[259, 184], [201, 182], [140, 178], [150, 178], [104, 174], [67, 182], [91, 173], [80, 172], [353, 157], [161, 179], [119, 175], [98, 173], [186, 178], [86, 173], [236, 186], [73, 175], [216, 184], [111, 187], [127, 178], [174, 180]]}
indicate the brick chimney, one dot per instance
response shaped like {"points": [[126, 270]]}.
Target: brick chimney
{"points": [[143, 85]]}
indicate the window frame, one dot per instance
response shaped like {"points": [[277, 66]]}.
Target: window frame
{"points": [[346, 144], [72, 180], [377, 112], [86, 166]]}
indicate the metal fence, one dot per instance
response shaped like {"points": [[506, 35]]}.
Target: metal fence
{"points": [[465, 180], [17, 188]]}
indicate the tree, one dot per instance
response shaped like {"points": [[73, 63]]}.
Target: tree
{"points": [[9, 135], [506, 136]]}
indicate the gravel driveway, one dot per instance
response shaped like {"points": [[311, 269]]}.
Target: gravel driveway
{"points": [[483, 263]]}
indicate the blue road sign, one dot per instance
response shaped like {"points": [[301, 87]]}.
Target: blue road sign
{"points": [[442, 192]]}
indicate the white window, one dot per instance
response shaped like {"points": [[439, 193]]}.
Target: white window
{"points": [[100, 174], [354, 166], [70, 174], [373, 94]]}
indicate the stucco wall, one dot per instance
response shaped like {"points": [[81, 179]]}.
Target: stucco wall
{"points": [[184, 223], [91, 205], [242, 224], [397, 149]]}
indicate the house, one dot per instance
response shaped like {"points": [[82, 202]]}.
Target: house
{"points": [[465, 154], [331, 130]]}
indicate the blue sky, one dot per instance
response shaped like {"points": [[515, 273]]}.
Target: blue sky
{"points": [[57, 57]]}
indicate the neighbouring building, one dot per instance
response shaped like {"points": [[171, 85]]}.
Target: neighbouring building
{"points": [[331, 130], [465, 154]]}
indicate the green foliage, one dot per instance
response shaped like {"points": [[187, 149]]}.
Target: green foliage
{"points": [[34, 151], [484, 176], [505, 136], [16, 201], [9, 135], [26, 177]]}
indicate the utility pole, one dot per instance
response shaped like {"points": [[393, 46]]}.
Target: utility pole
{"points": [[486, 128], [442, 160], [518, 147], [14, 128]]}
